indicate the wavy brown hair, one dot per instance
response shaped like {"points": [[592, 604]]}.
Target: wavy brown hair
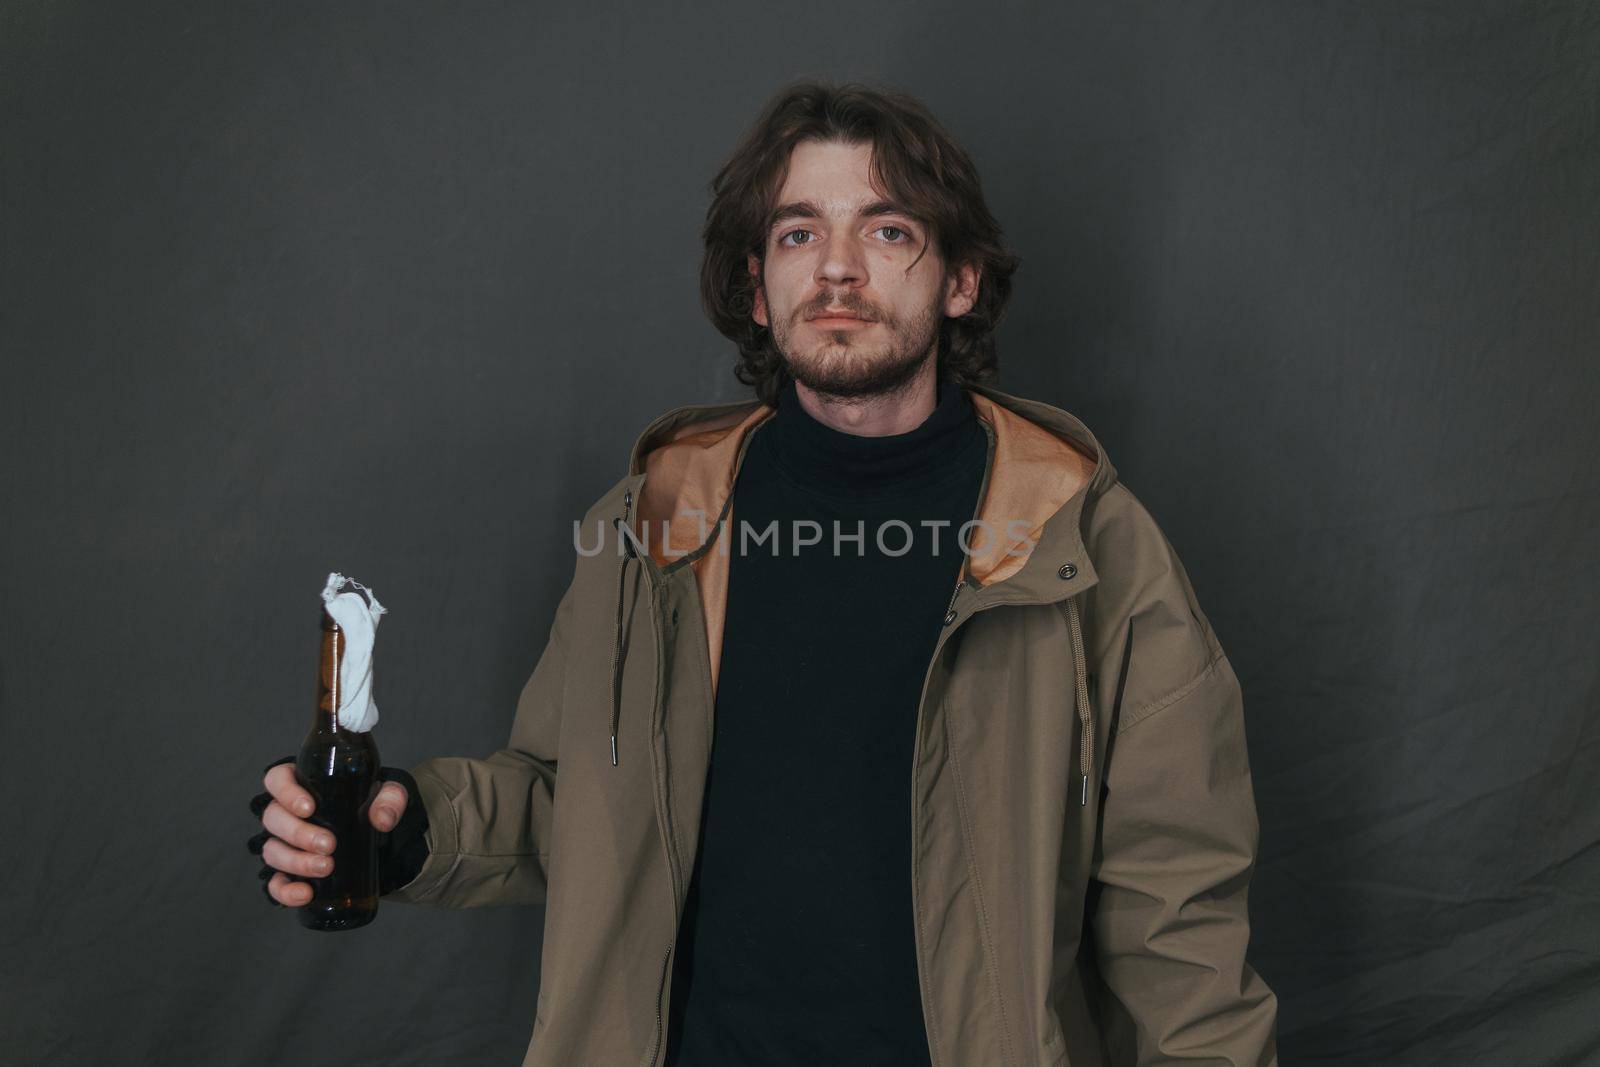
{"points": [[913, 158]]}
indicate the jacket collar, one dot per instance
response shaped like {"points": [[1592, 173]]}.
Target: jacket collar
{"points": [[1044, 465]]}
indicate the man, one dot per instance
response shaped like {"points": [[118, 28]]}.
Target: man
{"points": [[975, 800]]}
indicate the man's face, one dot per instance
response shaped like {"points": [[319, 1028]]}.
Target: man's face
{"points": [[839, 247]]}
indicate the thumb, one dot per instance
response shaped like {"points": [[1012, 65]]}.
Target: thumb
{"points": [[388, 806]]}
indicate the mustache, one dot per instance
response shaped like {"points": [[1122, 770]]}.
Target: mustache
{"points": [[849, 306]]}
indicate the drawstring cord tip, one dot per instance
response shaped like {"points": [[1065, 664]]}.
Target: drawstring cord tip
{"points": [[613, 750], [1083, 794]]}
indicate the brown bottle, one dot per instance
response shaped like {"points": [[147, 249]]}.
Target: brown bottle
{"points": [[339, 768]]}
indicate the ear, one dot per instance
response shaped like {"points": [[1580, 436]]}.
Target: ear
{"points": [[759, 313], [961, 291]]}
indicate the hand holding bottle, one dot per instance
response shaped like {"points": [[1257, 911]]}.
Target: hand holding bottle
{"points": [[334, 794], [290, 845]]}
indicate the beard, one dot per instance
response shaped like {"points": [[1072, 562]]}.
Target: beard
{"points": [[846, 365]]}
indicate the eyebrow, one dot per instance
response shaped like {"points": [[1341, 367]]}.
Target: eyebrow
{"points": [[805, 209]]}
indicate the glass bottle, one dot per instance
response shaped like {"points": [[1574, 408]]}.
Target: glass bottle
{"points": [[339, 767]]}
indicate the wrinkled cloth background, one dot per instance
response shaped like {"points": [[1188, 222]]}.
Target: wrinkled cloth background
{"points": [[391, 288]]}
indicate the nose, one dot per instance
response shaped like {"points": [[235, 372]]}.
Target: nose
{"points": [[843, 261]]}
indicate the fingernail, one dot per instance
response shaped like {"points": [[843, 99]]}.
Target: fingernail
{"points": [[303, 807], [385, 819], [322, 864], [323, 843]]}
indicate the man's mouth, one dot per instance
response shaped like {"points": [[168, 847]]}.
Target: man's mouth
{"points": [[832, 320]]}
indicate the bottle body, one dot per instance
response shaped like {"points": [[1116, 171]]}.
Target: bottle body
{"points": [[340, 769]]}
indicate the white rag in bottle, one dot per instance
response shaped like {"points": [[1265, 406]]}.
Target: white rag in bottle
{"points": [[359, 620]]}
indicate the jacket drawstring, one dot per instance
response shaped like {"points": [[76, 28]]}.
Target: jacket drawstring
{"points": [[616, 633], [1085, 713], [616, 661]]}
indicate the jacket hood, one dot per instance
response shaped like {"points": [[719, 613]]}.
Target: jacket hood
{"points": [[1043, 466]]}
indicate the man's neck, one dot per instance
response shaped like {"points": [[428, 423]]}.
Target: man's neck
{"points": [[898, 411]]}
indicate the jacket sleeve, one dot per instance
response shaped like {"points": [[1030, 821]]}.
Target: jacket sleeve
{"points": [[1178, 826], [489, 819]]}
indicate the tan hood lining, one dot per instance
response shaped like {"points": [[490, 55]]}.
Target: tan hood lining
{"points": [[689, 476]]}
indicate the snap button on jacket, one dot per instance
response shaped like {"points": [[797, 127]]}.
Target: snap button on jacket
{"points": [[1083, 823]]}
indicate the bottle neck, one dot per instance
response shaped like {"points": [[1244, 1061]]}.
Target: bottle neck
{"points": [[328, 694]]}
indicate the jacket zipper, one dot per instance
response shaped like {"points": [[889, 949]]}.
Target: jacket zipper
{"points": [[953, 595], [916, 758], [668, 841], [655, 1055]]}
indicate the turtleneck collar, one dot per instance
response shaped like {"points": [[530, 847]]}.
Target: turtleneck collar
{"points": [[832, 463]]}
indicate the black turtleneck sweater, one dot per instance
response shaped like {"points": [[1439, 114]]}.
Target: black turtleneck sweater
{"points": [[797, 943]]}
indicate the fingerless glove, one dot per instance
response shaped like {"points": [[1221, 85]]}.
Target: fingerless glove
{"points": [[401, 851]]}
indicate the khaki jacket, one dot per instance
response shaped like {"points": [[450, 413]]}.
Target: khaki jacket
{"points": [[1083, 823]]}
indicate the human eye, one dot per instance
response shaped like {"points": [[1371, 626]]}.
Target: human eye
{"points": [[793, 233], [905, 235]]}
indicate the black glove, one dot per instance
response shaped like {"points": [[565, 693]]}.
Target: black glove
{"points": [[401, 851]]}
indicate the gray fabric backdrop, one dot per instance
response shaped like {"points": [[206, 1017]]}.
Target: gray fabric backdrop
{"points": [[390, 289]]}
